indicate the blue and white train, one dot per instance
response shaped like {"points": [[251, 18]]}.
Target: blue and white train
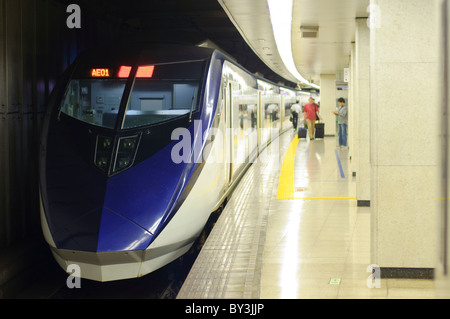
{"points": [[127, 179]]}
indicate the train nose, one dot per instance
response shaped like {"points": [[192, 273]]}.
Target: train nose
{"points": [[95, 204], [98, 214], [84, 208], [101, 214], [102, 230], [117, 233]]}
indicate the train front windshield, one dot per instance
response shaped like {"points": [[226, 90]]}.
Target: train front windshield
{"points": [[160, 93]]}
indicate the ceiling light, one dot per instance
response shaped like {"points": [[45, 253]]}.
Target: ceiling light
{"points": [[281, 18]]}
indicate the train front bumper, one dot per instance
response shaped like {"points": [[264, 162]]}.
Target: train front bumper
{"points": [[109, 266]]}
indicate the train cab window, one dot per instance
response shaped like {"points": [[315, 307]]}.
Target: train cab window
{"points": [[172, 91], [160, 92], [154, 102], [95, 101]]}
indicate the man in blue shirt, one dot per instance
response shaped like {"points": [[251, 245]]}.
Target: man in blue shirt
{"points": [[342, 115]]}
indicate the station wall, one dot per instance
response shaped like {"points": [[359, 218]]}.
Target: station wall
{"points": [[36, 46]]}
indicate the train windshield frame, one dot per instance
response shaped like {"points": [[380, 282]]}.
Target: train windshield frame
{"points": [[160, 93]]}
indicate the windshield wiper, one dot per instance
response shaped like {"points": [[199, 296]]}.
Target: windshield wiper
{"points": [[192, 104]]}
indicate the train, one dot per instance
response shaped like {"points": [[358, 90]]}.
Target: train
{"points": [[140, 144]]}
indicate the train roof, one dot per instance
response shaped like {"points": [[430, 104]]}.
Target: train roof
{"points": [[149, 53], [144, 53]]}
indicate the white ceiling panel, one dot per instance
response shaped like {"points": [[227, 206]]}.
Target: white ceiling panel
{"points": [[252, 19], [327, 54]]}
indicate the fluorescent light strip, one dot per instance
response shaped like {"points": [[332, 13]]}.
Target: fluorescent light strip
{"points": [[281, 18]]}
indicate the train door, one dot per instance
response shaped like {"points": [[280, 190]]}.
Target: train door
{"points": [[282, 112], [228, 135], [258, 123]]}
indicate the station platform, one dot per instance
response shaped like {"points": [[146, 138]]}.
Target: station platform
{"points": [[292, 230]]}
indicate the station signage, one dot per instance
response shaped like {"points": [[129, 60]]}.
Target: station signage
{"points": [[346, 75]]}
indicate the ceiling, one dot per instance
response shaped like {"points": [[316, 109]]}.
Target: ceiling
{"points": [[242, 29], [187, 21], [252, 20], [327, 54]]}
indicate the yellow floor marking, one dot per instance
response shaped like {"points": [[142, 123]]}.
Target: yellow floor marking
{"points": [[324, 197], [286, 184]]}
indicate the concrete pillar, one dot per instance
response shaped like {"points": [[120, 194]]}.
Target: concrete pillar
{"points": [[362, 102], [404, 81], [352, 146], [442, 272], [328, 102]]}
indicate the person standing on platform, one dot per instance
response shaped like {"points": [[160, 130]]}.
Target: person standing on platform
{"points": [[252, 110], [311, 111], [271, 110], [296, 109], [342, 115]]}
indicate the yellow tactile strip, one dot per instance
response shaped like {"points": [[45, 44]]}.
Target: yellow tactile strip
{"points": [[286, 184]]}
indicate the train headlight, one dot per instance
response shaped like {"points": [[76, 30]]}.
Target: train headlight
{"points": [[103, 152], [125, 152]]}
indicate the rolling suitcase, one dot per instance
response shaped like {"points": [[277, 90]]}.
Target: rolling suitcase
{"points": [[320, 130], [302, 132]]}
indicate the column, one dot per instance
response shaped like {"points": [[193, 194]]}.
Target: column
{"points": [[404, 81], [442, 270], [353, 147], [362, 101], [328, 102]]}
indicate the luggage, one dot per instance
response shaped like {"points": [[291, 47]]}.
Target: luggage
{"points": [[302, 132], [320, 130]]}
